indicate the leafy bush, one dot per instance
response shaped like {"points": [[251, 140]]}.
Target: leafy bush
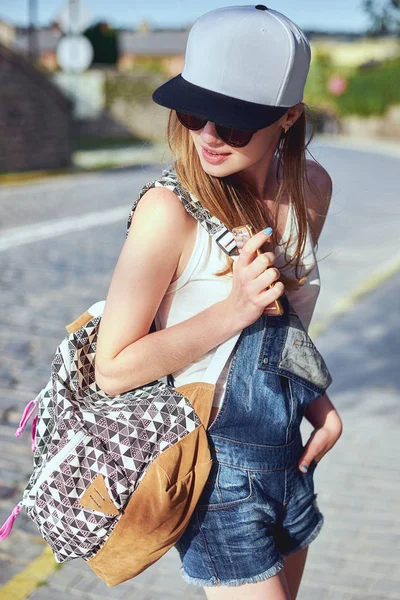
{"points": [[316, 93], [371, 90], [104, 42]]}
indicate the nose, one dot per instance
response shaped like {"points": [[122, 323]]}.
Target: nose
{"points": [[209, 134]]}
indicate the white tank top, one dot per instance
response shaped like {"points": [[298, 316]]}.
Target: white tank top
{"points": [[197, 288]]}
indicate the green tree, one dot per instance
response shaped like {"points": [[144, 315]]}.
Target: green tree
{"points": [[384, 16], [104, 42]]}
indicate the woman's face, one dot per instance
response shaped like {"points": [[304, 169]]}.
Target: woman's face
{"points": [[220, 160]]}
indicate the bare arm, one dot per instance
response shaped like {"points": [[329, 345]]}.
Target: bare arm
{"points": [[321, 413], [127, 356]]}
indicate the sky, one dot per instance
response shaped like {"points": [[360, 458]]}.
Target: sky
{"points": [[329, 15]]}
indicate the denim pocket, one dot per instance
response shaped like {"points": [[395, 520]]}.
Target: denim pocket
{"points": [[227, 486], [301, 357]]}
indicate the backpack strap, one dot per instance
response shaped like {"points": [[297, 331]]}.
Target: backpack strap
{"points": [[222, 236]]}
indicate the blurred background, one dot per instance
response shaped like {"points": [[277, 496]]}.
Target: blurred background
{"points": [[79, 137], [78, 75]]}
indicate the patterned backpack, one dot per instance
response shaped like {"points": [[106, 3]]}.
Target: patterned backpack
{"points": [[116, 478]]}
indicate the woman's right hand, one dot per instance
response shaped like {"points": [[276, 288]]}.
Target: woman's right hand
{"points": [[252, 274]]}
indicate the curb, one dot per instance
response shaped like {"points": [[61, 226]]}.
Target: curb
{"points": [[359, 292], [86, 162], [29, 177]]}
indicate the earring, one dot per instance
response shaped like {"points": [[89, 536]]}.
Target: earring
{"points": [[286, 129]]}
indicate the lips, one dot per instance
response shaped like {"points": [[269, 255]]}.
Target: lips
{"points": [[212, 157], [211, 151]]}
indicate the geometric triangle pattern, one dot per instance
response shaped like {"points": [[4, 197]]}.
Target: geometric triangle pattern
{"points": [[82, 432]]}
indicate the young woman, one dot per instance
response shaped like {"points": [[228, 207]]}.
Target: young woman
{"points": [[237, 128]]}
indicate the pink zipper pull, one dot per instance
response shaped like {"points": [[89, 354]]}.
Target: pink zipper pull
{"points": [[8, 525], [29, 410], [34, 423]]}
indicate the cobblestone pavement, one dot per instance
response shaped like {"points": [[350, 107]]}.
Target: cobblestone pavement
{"points": [[46, 284]]}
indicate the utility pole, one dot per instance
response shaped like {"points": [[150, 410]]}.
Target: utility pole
{"points": [[33, 48], [74, 10]]}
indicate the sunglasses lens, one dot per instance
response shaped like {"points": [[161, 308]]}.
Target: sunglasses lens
{"points": [[191, 122], [231, 136], [234, 137]]}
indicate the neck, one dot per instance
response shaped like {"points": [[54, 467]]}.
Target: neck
{"points": [[261, 176]]}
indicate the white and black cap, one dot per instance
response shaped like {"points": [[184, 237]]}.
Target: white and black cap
{"points": [[244, 67]]}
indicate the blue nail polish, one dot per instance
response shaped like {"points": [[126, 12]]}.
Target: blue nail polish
{"points": [[268, 230], [304, 468]]}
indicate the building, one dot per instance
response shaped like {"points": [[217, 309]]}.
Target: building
{"points": [[165, 49], [46, 42], [35, 117], [142, 47], [138, 47]]}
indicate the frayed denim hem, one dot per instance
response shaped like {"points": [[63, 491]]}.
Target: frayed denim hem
{"points": [[232, 582], [308, 539]]}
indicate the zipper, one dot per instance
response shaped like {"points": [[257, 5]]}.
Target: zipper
{"points": [[56, 460]]}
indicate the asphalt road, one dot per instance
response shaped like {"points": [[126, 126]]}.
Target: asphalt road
{"points": [[58, 246]]}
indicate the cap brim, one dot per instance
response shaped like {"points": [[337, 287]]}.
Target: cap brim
{"points": [[179, 94]]}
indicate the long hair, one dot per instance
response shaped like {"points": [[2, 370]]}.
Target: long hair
{"points": [[233, 202]]}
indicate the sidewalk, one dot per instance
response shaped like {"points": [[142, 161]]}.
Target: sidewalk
{"points": [[358, 548], [357, 554]]}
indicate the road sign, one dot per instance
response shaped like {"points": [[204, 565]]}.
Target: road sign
{"points": [[74, 53], [74, 17]]}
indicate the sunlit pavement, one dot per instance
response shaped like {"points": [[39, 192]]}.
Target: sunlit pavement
{"points": [[48, 282]]}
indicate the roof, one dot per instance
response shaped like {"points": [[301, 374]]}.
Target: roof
{"points": [[155, 43], [47, 40]]}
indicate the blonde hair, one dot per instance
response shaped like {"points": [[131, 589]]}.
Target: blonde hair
{"points": [[232, 202]]}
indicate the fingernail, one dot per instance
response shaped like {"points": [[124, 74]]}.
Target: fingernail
{"points": [[268, 230], [304, 468]]}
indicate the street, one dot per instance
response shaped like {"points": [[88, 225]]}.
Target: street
{"points": [[59, 243]]}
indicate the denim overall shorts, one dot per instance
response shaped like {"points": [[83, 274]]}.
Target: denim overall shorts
{"points": [[257, 506]]}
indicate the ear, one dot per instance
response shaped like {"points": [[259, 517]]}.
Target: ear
{"points": [[292, 114]]}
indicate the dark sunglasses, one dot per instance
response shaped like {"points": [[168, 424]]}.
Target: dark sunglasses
{"points": [[231, 136]]}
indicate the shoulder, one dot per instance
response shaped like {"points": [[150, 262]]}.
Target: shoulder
{"points": [[161, 208], [318, 194], [318, 177]]}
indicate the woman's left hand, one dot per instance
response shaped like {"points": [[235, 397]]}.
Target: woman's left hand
{"points": [[328, 429]]}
